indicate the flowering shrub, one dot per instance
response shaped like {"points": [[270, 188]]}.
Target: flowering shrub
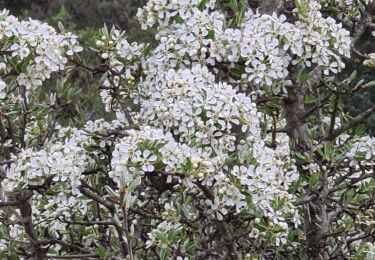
{"points": [[228, 140]]}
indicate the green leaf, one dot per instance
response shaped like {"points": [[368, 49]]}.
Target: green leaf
{"points": [[303, 76], [237, 71], [60, 26], [274, 102], [310, 99], [202, 4], [314, 180], [232, 158], [164, 253], [110, 191], [113, 29], [178, 19], [104, 31], [359, 84], [233, 6], [147, 50], [14, 257], [188, 246], [369, 84], [211, 34], [101, 251], [328, 151], [352, 76], [301, 159]]}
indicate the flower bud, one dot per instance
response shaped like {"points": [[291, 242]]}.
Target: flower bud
{"points": [[99, 43]]}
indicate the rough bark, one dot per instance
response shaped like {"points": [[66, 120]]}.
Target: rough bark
{"points": [[267, 6], [26, 214], [316, 230], [297, 129]]}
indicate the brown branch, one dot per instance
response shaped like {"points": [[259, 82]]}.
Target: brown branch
{"points": [[89, 223], [125, 226], [333, 117], [362, 236], [19, 201], [46, 184], [305, 200], [3, 138], [25, 113], [354, 122], [85, 256], [6, 52], [111, 207], [26, 215], [6, 162], [3, 173], [178, 174], [322, 103], [101, 68], [351, 182], [99, 198], [118, 97], [64, 243], [205, 190]]}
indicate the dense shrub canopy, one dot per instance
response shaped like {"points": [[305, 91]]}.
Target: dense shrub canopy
{"points": [[228, 139]]}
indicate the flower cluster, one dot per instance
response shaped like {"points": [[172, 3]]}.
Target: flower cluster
{"points": [[162, 13], [325, 40], [268, 176], [190, 151], [263, 174], [59, 167], [37, 46], [200, 112], [125, 59], [363, 150], [2, 89], [60, 162], [349, 2], [265, 45], [159, 235], [150, 150]]}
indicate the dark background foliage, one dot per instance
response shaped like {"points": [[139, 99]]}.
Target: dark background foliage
{"points": [[84, 13]]}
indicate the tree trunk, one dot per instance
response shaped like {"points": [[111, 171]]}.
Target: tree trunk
{"points": [[316, 230], [297, 129]]}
